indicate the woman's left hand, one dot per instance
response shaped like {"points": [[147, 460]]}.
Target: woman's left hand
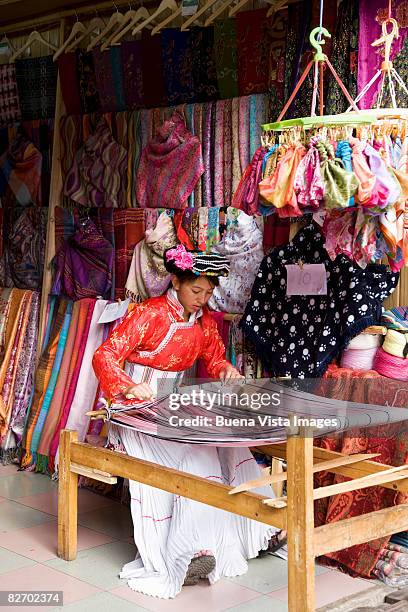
{"points": [[230, 372]]}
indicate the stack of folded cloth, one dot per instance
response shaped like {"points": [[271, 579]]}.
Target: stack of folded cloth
{"points": [[392, 565], [391, 359], [360, 353]]}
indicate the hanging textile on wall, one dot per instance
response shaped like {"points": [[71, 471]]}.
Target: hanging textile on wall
{"points": [[19, 324], [153, 83], [37, 86], [9, 100], [109, 79], [88, 92], [84, 265], [97, 176], [129, 231], [170, 166], [133, 71], [225, 51], [68, 73], [372, 14], [20, 173]]}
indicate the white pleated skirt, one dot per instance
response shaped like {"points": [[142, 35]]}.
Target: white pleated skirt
{"points": [[169, 530]]}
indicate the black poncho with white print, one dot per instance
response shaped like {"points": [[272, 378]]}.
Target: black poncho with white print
{"points": [[299, 336]]}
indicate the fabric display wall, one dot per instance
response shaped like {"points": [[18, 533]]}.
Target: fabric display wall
{"points": [[19, 311]]}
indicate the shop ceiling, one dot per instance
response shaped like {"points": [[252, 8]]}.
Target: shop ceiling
{"points": [[14, 11]]}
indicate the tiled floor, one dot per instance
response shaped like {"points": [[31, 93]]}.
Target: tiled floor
{"points": [[28, 559]]}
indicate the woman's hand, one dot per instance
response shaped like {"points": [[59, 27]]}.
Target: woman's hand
{"points": [[141, 391], [230, 372]]}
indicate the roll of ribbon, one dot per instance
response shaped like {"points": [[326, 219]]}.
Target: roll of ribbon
{"points": [[396, 343], [358, 359], [391, 366]]}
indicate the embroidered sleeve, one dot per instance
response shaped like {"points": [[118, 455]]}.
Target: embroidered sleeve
{"points": [[213, 351], [128, 336]]}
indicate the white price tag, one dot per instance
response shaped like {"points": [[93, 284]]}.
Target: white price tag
{"points": [[308, 279], [114, 311]]}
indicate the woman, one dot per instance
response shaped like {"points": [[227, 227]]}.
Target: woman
{"points": [[179, 540]]}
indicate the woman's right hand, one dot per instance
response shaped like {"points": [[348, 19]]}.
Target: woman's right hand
{"points": [[141, 391]]}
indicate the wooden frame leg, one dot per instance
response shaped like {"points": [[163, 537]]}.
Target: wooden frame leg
{"points": [[67, 499], [301, 571]]}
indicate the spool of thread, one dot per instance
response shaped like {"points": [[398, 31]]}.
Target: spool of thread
{"points": [[396, 343], [358, 359], [391, 366], [360, 353]]}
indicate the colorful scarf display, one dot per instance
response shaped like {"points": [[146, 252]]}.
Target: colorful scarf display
{"points": [[20, 172]]}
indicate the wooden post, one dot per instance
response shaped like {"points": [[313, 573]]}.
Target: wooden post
{"points": [[67, 498], [301, 587], [55, 197]]}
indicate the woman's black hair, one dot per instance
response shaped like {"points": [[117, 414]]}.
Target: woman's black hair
{"points": [[187, 275]]}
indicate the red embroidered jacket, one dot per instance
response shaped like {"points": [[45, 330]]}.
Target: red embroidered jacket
{"points": [[155, 334]]}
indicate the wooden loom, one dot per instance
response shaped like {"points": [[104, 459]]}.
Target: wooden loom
{"points": [[294, 513]]}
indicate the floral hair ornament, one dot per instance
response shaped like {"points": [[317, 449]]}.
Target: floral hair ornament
{"points": [[181, 257]]}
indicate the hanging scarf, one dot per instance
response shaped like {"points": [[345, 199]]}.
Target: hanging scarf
{"points": [[9, 100], [83, 267], [170, 166], [242, 246], [20, 171], [339, 185], [147, 275]]}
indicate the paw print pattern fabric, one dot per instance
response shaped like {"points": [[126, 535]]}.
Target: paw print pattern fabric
{"points": [[300, 335]]}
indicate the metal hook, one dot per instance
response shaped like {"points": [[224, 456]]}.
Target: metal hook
{"points": [[117, 10], [76, 15], [317, 44]]}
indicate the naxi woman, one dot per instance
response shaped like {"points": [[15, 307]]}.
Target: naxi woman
{"points": [[179, 540]]}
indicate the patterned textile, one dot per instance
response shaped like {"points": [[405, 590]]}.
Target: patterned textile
{"points": [[276, 85], [242, 246], [390, 441], [396, 318], [68, 74], [153, 80], [25, 373], [21, 303], [372, 14], [253, 34], [37, 86], [9, 100], [20, 172], [178, 61], [328, 322], [133, 71], [225, 50], [25, 250], [129, 231], [109, 79], [344, 57], [97, 176], [201, 45], [170, 166], [83, 267], [88, 91], [147, 275], [42, 378]]}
